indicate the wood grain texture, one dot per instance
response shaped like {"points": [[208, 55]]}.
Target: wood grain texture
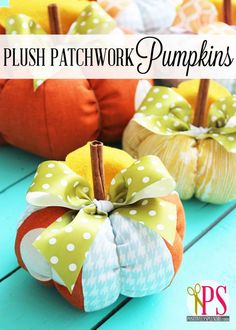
{"points": [[25, 304], [212, 258], [15, 165], [12, 206]]}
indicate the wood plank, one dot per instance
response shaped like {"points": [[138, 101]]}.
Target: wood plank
{"points": [[25, 304], [12, 206], [15, 165], [200, 216], [211, 258]]}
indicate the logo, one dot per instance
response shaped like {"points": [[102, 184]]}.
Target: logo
{"points": [[4, 3], [208, 301]]}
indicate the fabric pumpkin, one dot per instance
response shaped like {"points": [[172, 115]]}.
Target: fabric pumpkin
{"points": [[193, 15], [202, 161], [200, 17], [141, 16], [126, 256], [69, 11], [63, 114]]}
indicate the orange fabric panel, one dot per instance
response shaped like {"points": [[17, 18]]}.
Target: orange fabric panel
{"points": [[176, 249], [115, 99], [76, 298], [72, 117], [22, 116]]}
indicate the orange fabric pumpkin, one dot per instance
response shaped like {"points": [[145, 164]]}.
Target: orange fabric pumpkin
{"points": [[62, 115]]}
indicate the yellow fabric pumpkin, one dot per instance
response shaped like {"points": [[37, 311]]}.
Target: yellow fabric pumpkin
{"points": [[200, 167], [69, 11]]}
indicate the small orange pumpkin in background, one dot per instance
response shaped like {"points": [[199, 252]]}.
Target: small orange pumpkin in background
{"points": [[64, 114]]}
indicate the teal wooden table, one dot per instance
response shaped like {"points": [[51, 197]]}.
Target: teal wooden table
{"points": [[210, 254]]}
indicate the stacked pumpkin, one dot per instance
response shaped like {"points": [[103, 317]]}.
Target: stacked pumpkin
{"points": [[92, 249], [193, 131], [61, 115]]}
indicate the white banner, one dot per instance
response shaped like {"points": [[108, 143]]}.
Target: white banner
{"points": [[117, 56]]}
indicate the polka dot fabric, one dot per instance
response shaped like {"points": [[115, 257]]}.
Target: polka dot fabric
{"points": [[93, 20], [89, 287], [164, 111], [22, 24]]}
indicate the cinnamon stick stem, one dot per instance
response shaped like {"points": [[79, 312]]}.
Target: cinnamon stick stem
{"points": [[227, 12], [54, 19], [96, 152], [201, 104]]}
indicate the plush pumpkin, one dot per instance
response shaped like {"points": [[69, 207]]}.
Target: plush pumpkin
{"points": [[130, 245], [201, 160], [194, 14], [61, 115], [141, 16], [69, 11], [201, 17]]}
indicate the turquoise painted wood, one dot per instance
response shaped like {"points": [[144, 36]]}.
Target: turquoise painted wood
{"points": [[37, 307], [201, 215], [24, 304], [211, 258], [15, 164], [12, 206]]}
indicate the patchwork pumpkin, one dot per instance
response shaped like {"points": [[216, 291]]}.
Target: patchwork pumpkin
{"points": [[141, 16], [91, 251], [195, 14], [61, 115], [201, 17], [201, 160]]}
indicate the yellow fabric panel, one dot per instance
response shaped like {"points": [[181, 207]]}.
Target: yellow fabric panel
{"points": [[69, 10], [181, 163], [189, 89], [114, 161], [216, 179]]}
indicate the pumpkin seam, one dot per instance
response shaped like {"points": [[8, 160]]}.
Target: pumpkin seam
{"points": [[97, 108]]}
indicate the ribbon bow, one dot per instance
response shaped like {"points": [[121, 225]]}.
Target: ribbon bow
{"points": [[134, 193], [92, 20], [165, 112]]}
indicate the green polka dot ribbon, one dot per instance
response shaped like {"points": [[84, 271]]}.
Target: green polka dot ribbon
{"points": [[92, 20], [165, 112], [134, 193]]}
